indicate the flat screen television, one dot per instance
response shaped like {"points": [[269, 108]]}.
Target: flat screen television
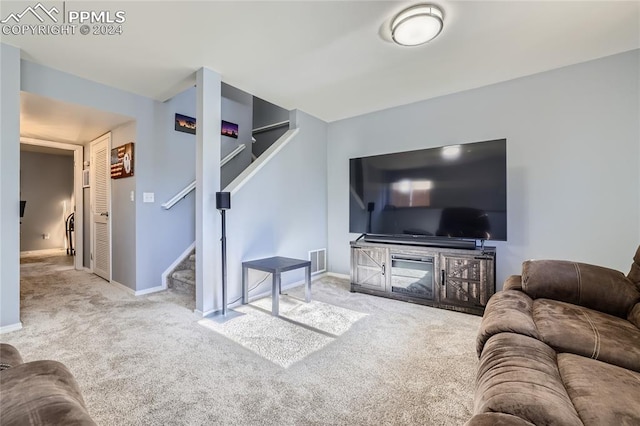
{"points": [[453, 192]]}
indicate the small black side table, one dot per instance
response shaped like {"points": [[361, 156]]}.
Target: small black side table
{"points": [[275, 266]]}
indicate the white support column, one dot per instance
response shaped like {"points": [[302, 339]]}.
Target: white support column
{"points": [[9, 188], [208, 141]]}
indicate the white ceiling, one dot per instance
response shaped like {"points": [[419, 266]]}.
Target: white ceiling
{"points": [[52, 120], [332, 59], [46, 150]]}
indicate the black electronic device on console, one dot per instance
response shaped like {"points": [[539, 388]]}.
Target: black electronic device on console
{"points": [[448, 196]]}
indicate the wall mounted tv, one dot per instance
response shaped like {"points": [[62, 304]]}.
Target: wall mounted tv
{"points": [[452, 192]]}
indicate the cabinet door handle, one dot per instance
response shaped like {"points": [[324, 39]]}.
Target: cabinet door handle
{"points": [[383, 268], [443, 276]]}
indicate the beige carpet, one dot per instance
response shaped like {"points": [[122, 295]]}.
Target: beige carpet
{"points": [[148, 361]]}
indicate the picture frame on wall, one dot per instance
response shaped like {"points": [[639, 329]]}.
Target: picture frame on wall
{"points": [[185, 124], [229, 129], [122, 161]]}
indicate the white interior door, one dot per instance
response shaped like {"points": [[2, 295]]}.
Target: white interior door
{"points": [[101, 206]]}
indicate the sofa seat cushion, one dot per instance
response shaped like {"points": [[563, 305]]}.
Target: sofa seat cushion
{"points": [[582, 331], [41, 393], [603, 394], [518, 375]]}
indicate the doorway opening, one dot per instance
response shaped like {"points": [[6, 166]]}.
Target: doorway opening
{"points": [[50, 191]]}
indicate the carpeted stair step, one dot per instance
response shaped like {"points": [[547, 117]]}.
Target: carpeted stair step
{"points": [[184, 280], [191, 262]]}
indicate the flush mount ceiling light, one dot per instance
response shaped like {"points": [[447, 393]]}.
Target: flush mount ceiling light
{"points": [[417, 25]]}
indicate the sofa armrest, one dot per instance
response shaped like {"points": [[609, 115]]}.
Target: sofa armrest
{"points": [[9, 356], [41, 392], [514, 282], [508, 311], [591, 286], [497, 419]]}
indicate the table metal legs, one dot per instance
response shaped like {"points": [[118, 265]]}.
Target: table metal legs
{"points": [[276, 289], [307, 285], [275, 295], [245, 286]]}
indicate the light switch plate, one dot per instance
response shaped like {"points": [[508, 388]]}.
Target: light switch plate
{"points": [[148, 197], [133, 195]]}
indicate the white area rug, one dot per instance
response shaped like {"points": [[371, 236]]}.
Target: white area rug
{"points": [[301, 329]]}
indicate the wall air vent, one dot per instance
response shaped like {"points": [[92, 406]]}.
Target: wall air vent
{"points": [[318, 260]]}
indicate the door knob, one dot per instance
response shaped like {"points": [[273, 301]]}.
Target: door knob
{"points": [[105, 214]]}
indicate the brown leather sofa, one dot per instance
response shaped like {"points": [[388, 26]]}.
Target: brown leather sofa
{"points": [[38, 393], [560, 345]]}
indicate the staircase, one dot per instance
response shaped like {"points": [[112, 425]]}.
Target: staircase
{"points": [[183, 277]]}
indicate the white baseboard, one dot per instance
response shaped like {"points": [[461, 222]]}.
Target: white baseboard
{"points": [[9, 328], [89, 270], [150, 290], [165, 274], [138, 292], [43, 251], [201, 314], [123, 287], [337, 275]]}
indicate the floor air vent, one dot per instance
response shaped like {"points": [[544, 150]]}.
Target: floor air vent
{"points": [[318, 260]]}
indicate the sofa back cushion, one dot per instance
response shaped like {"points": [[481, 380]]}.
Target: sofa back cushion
{"points": [[582, 331], [591, 286]]}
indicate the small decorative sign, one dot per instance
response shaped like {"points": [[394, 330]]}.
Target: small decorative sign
{"points": [[185, 124], [122, 161], [229, 129]]}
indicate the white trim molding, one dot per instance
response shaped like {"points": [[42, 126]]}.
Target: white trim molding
{"points": [[187, 189], [254, 167], [149, 290], [270, 127], [165, 275], [12, 327], [179, 196], [138, 292], [123, 287], [232, 154], [337, 275]]}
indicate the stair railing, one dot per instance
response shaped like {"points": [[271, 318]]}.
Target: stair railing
{"points": [[187, 189]]}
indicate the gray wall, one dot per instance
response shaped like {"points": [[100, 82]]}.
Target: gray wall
{"points": [[175, 161], [572, 153], [46, 184], [237, 107], [123, 229], [55, 84], [9, 187], [282, 209], [264, 114]]}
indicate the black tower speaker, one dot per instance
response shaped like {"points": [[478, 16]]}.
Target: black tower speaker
{"points": [[223, 200]]}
